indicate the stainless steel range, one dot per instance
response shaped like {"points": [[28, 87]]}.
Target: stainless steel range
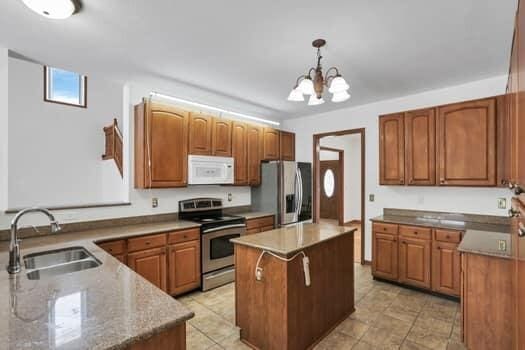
{"points": [[216, 231]]}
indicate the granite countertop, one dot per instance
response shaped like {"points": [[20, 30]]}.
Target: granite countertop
{"points": [[254, 214], [441, 223], [288, 240], [487, 243], [107, 307]]}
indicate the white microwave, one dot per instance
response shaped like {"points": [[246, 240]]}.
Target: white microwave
{"points": [[208, 170]]}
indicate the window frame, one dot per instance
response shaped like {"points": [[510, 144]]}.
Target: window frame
{"points": [[84, 82]]}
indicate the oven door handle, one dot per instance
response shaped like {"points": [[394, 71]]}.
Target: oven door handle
{"points": [[224, 228]]}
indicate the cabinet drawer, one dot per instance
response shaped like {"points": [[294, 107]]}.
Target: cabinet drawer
{"points": [[260, 222], [385, 228], [415, 232], [253, 230], [146, 242], [448, 236], [184, 236], [114, 247], [267, 228]]}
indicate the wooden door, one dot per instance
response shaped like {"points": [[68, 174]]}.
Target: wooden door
{"points": [[150, 264], [287, 144], [446, 268], [330, 190], [239, 153], [184, 261], [271, 147], [161, 146], [391, 149], [222, 138], [414, 262], [385, 256], [420, 147], [466, 143], [254, 149], [200, 130]]}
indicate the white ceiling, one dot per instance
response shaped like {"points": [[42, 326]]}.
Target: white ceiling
{"points": [[254, 50]]}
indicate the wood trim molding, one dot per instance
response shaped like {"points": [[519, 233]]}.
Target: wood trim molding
{"points": [[317, 183]]}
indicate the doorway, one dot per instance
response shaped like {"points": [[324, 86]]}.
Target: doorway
{"points": [[339, 182]]}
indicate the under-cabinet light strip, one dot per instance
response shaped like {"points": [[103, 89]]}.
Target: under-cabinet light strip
{"points": [[202, 105]]}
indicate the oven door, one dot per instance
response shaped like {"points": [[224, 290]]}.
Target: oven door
{"points": [[217, 250]]}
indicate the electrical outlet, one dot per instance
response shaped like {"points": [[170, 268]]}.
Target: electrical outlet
{"points": [[371, 197], [230, 197], [502, 245], [154, 202], [502, 203]]}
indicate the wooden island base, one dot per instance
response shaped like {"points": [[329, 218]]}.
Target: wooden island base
{"points": [[280, 312]]}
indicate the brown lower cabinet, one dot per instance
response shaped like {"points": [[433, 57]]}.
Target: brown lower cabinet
{"points": [[257, 225], [150, 264], [171, 261], [417, 256]]}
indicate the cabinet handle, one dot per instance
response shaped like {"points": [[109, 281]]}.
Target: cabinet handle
{"points": [[515, 188], [504, 182], [447, 237], [521, 230], [147, 243], [415, 232], [442, 181]]}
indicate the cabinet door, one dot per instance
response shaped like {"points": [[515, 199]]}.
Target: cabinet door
{"points": [[200, 131], [150, 264], [184, 267], [446, 268], [414, 262], [385, 256], [271, 144], [239, 153], [391, 149], [254, 146], [287, 144], [466, 139], [222, 137], [166, 130], [420, 147]]}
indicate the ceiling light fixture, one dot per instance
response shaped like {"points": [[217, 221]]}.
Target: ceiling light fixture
{"points": [[211, 108], [54, 9], [313, 86]]}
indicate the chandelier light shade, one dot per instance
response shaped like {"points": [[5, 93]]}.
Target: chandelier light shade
{"points": [[314, 82]]}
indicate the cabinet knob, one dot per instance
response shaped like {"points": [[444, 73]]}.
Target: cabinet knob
{"points": [[415, 232], [521, 230], [442, 181], [514, 213], [515, 188]]}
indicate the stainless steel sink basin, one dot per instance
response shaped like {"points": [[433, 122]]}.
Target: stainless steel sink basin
{"points": [[58, 262]]}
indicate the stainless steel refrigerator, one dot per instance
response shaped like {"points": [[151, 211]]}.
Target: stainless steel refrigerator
{"points": [[285, 190]]}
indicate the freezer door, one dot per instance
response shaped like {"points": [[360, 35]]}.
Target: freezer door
{"points": [[289, 196]]}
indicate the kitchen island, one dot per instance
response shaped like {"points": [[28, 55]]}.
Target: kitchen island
{"points": [[279, 303]]}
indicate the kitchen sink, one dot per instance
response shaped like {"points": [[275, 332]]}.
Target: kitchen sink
{"points": [[58, 262]]}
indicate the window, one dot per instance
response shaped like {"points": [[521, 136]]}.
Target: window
{"points": [[329, 183], [65, 87]]}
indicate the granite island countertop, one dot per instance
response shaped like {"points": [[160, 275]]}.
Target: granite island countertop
{"points": [[290, 239], [107, 307], [496, 244]]}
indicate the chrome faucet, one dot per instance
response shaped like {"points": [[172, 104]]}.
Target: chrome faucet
{"points": [[14, 245]]}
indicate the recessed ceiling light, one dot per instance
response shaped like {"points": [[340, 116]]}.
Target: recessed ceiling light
{"points": [[55, 9]]}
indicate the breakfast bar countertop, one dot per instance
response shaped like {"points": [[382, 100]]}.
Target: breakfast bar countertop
{"points": [[107, 307], [496, 244], [290, 239]]}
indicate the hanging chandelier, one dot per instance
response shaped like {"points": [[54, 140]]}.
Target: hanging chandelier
{"points": [[313, 83]]}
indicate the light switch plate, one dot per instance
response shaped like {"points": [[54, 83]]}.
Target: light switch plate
{"points": [[154, 202], [230, 197], [371, 197], [502, 203]]}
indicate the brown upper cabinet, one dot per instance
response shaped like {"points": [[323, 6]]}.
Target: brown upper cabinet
{"points": [[254, 149], [460, 144], [221, 137], [287, 145], [161, 145], [466, 143], [200, 130], [420, 147], [391, 149], [239, 153], [271, 142]]}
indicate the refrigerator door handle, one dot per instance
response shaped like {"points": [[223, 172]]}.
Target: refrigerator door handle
{"points": [[299, 191]]}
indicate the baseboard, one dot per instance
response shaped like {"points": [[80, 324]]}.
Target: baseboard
{"points": [[367, 262], [353, 222]]}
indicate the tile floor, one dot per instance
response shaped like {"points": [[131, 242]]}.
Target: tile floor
{"points": [[386, 317]]}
